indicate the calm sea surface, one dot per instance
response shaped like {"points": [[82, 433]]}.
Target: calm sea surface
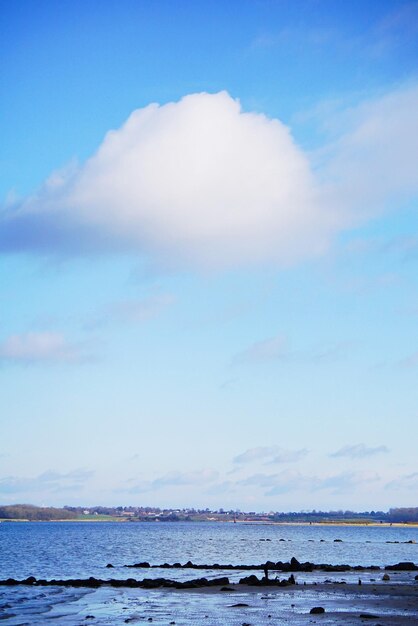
{"points": [[70, 550], [80, 550]]}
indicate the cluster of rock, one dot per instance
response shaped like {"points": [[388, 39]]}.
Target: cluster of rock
{"points": [[148, 583], [152, 583], [290, 566]]}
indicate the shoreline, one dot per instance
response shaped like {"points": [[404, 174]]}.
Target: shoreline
{"points": [[242, 522]]}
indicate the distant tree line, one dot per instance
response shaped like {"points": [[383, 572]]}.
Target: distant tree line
{"points": [[403, 515], [34, 513]]}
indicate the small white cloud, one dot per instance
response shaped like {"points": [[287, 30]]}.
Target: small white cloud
{"points": [[289, 456], [255, 454], [41, 347], [359, 451]]}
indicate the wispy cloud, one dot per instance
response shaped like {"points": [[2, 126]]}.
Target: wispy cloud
{"points": [[271, 349], [186, 478], [47, 481], [346, 481], [406, 482], [176, 479], [395, 29], [282, 482], [410, 361], [222, 488], [272, 454], [255, 454], [134, 311], [292, 480], [359, 451], [42, 347]]}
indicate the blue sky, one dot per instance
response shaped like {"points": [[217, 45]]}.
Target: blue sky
{"points": [[208, 240]]}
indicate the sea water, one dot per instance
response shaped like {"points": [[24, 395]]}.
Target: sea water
{"points": [[75, 549], [80, 550]]}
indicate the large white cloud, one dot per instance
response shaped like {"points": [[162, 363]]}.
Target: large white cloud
{"points": [[198, 180]]}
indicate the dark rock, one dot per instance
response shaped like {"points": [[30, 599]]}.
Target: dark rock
{"points": [[227, 589], [317, 610], [249, 580], [367, 616], [223, 580], [404, 566], [239, 605], [29, 581], [110, 565], [335, 568]]}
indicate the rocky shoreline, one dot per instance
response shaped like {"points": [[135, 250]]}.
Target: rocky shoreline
{"points": [[252, 580], [289, 566]]}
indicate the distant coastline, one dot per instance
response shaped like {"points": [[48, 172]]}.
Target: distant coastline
{"points": [[32, 513]]}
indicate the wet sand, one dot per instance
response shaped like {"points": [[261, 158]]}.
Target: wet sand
{"points": [[344, 604], [381, 603]]}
